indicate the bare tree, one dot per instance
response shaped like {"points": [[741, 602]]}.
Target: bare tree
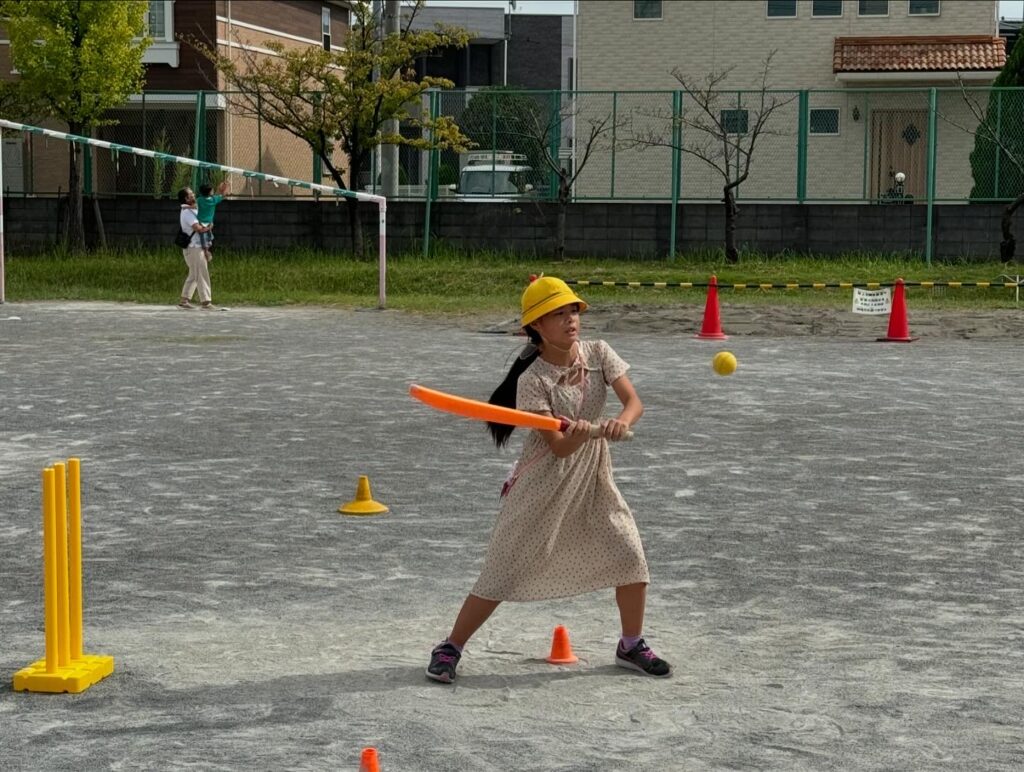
{"points": [[719, 134], [595, 131], [987, 131]]}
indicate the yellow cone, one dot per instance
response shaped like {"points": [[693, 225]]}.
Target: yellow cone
{"points": [[363, 503]]}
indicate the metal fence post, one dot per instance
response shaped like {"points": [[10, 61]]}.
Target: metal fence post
{"points": [[198, 138], [494, 136], [615, 118], [867, 142], [677, 140], [145, 143], [87, 169], [259, 139], [555, 142], [801, 147], [318, 165], [999, 133], [433, 170], [932, 103]]}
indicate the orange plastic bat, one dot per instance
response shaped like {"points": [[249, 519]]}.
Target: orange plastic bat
{"points": [[484, 411]]}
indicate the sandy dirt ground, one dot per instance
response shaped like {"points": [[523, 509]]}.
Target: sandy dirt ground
{"points": [[834, 534]]}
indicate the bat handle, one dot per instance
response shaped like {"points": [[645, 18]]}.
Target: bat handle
{"points": [[595, 430]]}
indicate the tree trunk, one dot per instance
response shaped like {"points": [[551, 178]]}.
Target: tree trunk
{"points": [[351, 204], [355, 227], [355, 168], [74, 230], [101, 233], [732, 254], [1008, 246]]}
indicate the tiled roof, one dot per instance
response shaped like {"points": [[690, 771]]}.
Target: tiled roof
{"points": [[931, 53]]}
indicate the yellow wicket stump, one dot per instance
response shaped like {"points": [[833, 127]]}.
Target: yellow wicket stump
{"points": [[64, 668]]}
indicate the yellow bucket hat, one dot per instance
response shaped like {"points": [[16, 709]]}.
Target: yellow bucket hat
{"points": [[544, 295]]}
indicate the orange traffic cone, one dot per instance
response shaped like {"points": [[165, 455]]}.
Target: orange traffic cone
{"points": [[711, 329], [561, 651], [368, 762], [899, 326]]}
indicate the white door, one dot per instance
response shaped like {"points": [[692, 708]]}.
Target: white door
{"points": [[14, 169]]}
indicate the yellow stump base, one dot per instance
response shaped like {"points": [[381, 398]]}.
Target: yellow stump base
{"points": [[363, 504], [76, 677]]}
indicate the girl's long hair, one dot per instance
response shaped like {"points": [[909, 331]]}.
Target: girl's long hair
{"points": [[505, 394]]}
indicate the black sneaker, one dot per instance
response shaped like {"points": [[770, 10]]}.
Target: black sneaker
{"points": [[443, 661], [641, 658]]}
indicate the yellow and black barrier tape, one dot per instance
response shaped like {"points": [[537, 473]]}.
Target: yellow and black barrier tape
{"points": [[797, 285]]}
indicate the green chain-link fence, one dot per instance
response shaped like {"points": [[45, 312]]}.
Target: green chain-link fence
{"points": [[842, 145]]}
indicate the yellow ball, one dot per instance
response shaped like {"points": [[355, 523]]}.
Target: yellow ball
{"points": [[724, 363]]}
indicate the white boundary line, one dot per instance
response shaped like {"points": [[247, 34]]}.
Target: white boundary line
{"points": [[380, 201]]}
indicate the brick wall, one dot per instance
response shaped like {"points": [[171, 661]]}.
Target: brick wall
{"points": [[535, 52], [192, 18], [593, 229]]}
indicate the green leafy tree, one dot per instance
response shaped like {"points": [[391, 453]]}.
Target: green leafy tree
{"points": [[16, 105], [78, 59], [343, 99], [1004, 118], [999, 138], [506, 118]]}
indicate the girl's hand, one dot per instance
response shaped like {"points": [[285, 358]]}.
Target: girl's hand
{"points": [[614, 429], [577, 429], [565, 442]]}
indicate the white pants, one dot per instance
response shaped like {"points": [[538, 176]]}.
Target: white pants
{"points": [[198, 275]]}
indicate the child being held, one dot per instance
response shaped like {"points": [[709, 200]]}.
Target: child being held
{"points": [[207, 204]]}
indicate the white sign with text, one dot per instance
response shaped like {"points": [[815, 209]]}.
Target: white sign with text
{"points": [[872, 301]]}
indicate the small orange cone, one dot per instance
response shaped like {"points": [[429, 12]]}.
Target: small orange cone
{"points": [[363, 504], [561, 651], [368, 762], [899, 325], [711, 329]]}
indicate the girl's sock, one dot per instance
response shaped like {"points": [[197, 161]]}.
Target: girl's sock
{"points": [[629, 641], [457, 648]]}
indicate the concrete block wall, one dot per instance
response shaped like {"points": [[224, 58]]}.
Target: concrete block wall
{"points": [[596, 229]]}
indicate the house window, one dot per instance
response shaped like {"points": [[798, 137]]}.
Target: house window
{"points": [[325, 27], [781, 9], [646, 9], [827, 8], [160, 28], [924, 7], [825, 120], [734, 121], [872, 7], [156, 20]]}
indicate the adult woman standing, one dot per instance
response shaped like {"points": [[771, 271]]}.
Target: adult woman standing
{"points": [[198, 270]]}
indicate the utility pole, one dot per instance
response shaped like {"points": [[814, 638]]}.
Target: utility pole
{"points": [[392, 25]]}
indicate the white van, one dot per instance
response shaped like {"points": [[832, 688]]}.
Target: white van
{"points": [[498, 175]]}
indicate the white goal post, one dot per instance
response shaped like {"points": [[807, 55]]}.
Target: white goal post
{"points": [[380, 201]]}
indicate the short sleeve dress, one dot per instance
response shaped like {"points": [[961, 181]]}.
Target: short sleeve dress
{"points": [[563, 528]]}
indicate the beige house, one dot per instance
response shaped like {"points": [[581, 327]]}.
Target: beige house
{"points": [[866, 67], [166, 114]]}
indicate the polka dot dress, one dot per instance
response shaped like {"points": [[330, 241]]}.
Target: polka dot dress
{"points": [[564, 528]]}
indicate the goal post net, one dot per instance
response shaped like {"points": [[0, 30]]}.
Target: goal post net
{"points": [[246, 174]]}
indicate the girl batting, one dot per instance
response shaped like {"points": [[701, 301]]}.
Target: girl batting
{"points": [[563, 529]]}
